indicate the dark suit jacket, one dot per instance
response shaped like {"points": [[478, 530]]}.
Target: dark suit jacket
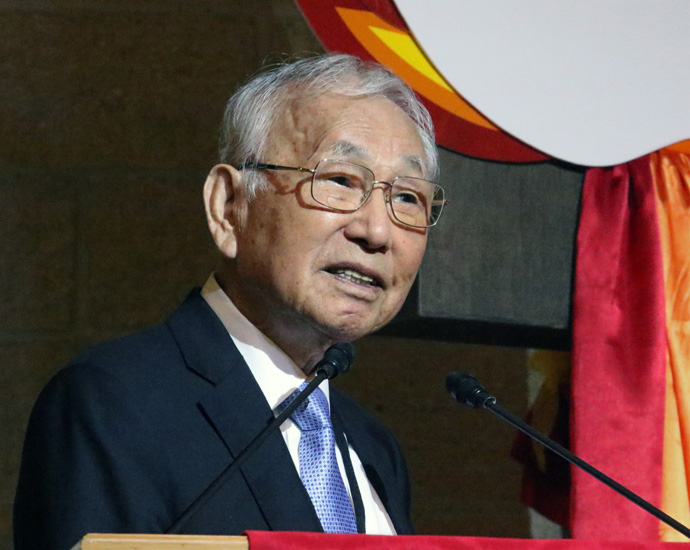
{"points": [[126, 436]]}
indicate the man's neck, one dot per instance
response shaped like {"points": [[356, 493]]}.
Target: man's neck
{"points": [[304, 344]]}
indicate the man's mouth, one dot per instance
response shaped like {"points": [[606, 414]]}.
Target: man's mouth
{"points": [[354, 276]]}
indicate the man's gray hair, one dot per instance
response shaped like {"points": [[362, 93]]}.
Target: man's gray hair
{"points": [[257, 106]]}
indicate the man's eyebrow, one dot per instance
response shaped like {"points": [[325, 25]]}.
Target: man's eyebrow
{"points": [[349, 149], [416, 163]]}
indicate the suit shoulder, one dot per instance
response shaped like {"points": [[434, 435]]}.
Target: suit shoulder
{"points": [[131, 365], [148, 344]]}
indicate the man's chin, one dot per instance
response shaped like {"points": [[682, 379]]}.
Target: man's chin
{"points": [[350, 329]]}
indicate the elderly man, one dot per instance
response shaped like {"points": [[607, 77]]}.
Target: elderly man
{"points": [[320, 210]]}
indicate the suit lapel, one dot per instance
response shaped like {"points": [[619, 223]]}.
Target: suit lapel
{"points": [[373, 458], [238, 411]]}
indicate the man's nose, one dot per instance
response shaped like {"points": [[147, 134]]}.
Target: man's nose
{"points": [[372, 224]]}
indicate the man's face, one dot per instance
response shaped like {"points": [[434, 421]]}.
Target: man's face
{"points": [[302, 271]]}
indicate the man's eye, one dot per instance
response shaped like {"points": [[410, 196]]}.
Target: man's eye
{"points": [[407, 197], [340, 179]]}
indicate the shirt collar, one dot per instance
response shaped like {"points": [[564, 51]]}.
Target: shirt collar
{"points": [[277, 375]]}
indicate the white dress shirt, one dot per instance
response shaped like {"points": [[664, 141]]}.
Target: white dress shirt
{"points": [[278, 376]]}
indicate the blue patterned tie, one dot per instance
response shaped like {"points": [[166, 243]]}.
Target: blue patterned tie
{"points": [[318, 467]]}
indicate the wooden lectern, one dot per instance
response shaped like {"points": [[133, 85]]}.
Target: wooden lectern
{"points": [[98, 541]]}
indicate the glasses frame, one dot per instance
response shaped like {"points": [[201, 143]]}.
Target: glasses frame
{"points": [[387, 196]]}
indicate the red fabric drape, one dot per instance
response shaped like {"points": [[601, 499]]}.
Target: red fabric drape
{"points": [[266, 540], [618, 370]]}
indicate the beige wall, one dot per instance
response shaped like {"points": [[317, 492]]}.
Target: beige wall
{"points": [[109, 113]]}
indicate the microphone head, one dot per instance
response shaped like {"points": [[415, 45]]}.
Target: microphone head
{"points": [[337, 360], [467, 390]]}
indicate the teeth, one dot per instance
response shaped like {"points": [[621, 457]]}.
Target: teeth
{"points": [[355, 277]]}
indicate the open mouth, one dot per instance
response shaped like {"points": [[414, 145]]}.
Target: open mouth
{"points": [[355, 276]]}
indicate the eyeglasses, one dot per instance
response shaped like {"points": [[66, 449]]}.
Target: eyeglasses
{"points": [[345, 186]]}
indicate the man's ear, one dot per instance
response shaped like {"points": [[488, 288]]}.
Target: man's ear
{"points": [[224, 202]]}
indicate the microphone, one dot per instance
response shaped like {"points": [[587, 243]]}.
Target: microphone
{"points": [[337, 360], [467, 390]]}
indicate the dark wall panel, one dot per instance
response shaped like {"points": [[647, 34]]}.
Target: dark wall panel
{"points": [[501, 259]]}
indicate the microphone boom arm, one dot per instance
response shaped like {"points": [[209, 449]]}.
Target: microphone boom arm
{"points": [[242, 457], [467, 390], [337, 360], [518, 423]]}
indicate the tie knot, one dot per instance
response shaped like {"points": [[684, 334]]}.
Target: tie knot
{"points": [[314, 414]]}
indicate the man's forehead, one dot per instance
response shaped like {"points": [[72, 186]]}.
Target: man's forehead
{"points": [[313, 119], [330, 110]]}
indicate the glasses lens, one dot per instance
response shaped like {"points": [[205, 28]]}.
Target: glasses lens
{"points": [[341, 185], [417, 202]]}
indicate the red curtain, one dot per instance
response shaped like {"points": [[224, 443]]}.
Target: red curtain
{"points": [[619, 339]]}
